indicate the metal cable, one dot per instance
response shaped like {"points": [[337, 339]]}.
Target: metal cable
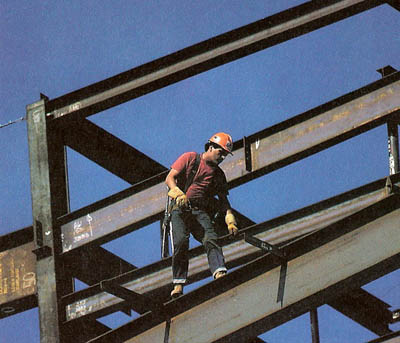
{"points": [[12, 122]]}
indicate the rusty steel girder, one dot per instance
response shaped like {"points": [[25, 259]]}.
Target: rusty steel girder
{"points": [[321, 266], [151, 279]]}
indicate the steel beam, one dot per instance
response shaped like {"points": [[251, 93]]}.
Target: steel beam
{"points": [[256, 340], [393, 146], [243, 304], [85, 331], [314, 325], [394, 3], [18, 269], [16, 238], [203, 56], [386, 70], [109, 152], [17, 272], [138, 302], [155, 279], [390, 338], [93, 264], [49, 201], [365, 309], [271, 149]]}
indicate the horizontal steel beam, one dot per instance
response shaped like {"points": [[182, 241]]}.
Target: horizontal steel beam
{"points": [[365, 309], [85, 331], [244, 303], [16, 238], [155, 279], [390, 338], [94, 264], [110, 152], [90, 264], [17, 272], [203, 56], [270, 149]]}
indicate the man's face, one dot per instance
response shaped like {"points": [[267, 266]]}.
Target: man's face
{"points": [[218, 155]]}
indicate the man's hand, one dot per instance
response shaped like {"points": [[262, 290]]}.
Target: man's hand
{"points": [[180, 197], [231, 222]]}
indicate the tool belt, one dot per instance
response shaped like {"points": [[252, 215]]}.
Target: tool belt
{"points": [[206, 204], [199, 204], [194, 204]]}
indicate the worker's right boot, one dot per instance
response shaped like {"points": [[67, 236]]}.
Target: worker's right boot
{"points": [[177, 291], [219, 274]]}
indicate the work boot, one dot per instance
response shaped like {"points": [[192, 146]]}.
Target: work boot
{"points": [[220, 274], [177, 291]]}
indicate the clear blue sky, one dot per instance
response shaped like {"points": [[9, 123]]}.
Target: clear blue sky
{"points": [[55, 47]]}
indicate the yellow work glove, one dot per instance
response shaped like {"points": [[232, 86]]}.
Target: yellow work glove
{"points": [[180, 197], [231, 222]]}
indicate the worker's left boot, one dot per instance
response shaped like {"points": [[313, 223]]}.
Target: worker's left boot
{"points": [[177, 291]]}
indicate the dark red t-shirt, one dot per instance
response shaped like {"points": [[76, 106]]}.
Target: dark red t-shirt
{"points": [[208, 181]]}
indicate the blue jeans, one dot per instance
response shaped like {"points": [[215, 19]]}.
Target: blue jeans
{"points": [[198, 223]]}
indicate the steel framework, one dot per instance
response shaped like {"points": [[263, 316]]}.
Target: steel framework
{"points": [[37, 258]]}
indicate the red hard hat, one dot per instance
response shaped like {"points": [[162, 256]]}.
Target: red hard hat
{"points": [[223, 140]]}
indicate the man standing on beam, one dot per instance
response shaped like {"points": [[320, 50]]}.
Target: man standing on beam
{"points": [[193, 181]]}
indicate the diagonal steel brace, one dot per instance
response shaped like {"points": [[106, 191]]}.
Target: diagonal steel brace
{"points": [[140, 303], [267, 247]]}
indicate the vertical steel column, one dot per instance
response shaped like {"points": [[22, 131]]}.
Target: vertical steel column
{"points": [[314, 325], [49, 200], [393, 147]]}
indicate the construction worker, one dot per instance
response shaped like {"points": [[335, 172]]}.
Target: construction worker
{"points": [[191, 210]]}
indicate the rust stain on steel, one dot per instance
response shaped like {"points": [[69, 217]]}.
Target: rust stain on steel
{"points": [[237, 250], [316, 130], [325, 126], [17, 274]]}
